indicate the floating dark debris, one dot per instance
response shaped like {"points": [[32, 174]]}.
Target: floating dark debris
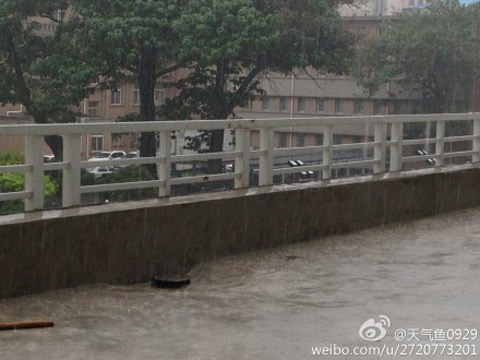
{"points": [[25, 325], [170, 281]]}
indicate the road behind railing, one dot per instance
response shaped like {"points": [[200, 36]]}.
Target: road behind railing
{"points": [[387, 146]]}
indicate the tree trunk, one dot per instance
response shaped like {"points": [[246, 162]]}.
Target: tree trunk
{"points": [[55, 143], [216, 145], [146, 82]]}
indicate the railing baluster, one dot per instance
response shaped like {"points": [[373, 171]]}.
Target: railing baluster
{"points": [[71, 176], [242, 162], [476, 141], [327, 152], [266, 158], [165, 164], [440, 143], [34, 178], [396, 148], [379, 150]]}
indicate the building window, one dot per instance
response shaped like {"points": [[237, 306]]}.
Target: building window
{"points": [[92, 108], [320, 105], [358, 106], [159, 97], [339, 106], [282, 141], [266, 103], [117, 139], [116, 97], [136, 97], [96, 142], [283, 103], [300, 140], [302, 104], [319, 140], [57, 15]]}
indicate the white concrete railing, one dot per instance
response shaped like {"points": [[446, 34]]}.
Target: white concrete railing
{"points": [[387, 141]]}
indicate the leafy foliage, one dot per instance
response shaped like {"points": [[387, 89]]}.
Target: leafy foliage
{"points": [[127, 174], [232, 42], [434, 52], [13, 182], [130, 37], [40, 71]]}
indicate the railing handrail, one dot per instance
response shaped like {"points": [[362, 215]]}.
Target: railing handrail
{"points": [[138, 126]]}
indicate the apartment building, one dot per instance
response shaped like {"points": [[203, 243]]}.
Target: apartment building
{"points": [[309, 93], [113, 105]]}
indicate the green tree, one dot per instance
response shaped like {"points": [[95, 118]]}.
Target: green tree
{"points": [[16, 182], [434, 52], [39, 71], [132, 38], [232, 42]]}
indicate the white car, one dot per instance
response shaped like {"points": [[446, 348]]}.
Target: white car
{"points": [[131, 155], [102, 170], [108, 155]]}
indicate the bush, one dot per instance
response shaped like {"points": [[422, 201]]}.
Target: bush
{"points": [[14, 182], [127, 174]]}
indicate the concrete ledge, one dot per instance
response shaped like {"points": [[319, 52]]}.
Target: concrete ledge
{"points": [[127, 243]]}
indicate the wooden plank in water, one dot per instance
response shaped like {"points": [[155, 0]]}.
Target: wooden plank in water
{"points": [[25, 325]]}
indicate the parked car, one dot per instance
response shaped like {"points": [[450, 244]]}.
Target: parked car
{"points": [[131, 155], [102, 170], [430, 162], [108, 155], [229, 167]]}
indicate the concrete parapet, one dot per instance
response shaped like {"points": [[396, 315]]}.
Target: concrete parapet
{"points": [[129, 242]]}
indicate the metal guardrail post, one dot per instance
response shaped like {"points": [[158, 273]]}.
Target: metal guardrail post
{"points": [[242, 162], [71, 176], [476, 141], [266, 158], [34, 177], [396, 147], [327, 152], [379, 151], [440, 143], [165, 163]]}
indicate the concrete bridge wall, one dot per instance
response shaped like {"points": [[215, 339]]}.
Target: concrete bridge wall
{"points": [[129, 242]]}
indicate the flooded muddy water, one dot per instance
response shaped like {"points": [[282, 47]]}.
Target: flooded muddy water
{"points": [[274, 304]]}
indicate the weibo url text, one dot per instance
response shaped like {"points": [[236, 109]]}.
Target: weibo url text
{"points": [[397, 350]]}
